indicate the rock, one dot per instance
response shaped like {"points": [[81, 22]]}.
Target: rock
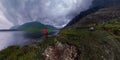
{"points": [[61, 51], [91, 28]]}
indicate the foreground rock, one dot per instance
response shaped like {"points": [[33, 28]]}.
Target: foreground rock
{"points": [[61, 51]]}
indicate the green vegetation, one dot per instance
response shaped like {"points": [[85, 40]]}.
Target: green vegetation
{"points": [[32, 27], [35, 27], [95, 44], [101, 43], [31, 52]]}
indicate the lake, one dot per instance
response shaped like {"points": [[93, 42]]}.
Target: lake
{"points": [[11, 38]]}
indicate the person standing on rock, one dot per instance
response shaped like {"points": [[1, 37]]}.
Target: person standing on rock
{"points": [[45, 31]]}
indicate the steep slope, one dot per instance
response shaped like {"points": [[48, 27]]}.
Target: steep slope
{"points": [[96, 6], [101, 16], [102, 43]]}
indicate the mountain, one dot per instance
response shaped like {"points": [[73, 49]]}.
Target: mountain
{"points": [[31, 26], [35, 29], [101, 16], [15, 27], [96, 6], [34, 26], [96, 34]]}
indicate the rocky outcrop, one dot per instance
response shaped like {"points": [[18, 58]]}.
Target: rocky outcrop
{"points": [[61, 51]]}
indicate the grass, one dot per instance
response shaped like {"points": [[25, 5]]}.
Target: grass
{"points": [[99, 44], [94, 44]]}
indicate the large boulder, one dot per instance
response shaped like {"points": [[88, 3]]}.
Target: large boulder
{"points": [[61, 51]]}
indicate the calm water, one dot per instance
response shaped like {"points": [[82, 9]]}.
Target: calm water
{"points": [[10, 38], [13, 38]]}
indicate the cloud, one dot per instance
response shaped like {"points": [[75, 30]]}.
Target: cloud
{"points": [[51, 12]]}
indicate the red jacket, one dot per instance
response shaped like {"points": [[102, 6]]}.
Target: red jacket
{"points": [[45, 31]]}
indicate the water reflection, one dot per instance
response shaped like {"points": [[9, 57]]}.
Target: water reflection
{"points": [[10, 38]]}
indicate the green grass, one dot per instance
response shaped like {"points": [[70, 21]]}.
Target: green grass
{"points": [[94, 44], [102, 43]]}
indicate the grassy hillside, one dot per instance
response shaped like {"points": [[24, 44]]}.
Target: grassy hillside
{"points": [[101, 16], [100, 43]]}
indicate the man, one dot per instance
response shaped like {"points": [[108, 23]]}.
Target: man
{"points": [[45, 31]]}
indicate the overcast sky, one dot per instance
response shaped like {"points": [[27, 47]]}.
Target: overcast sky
{"points": [[52, 12]]}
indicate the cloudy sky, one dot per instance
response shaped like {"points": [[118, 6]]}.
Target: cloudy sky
{"points": [[51, 12]]}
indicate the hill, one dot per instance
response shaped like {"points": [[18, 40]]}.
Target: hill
{"points": [[101, 16], [35, 29]]}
